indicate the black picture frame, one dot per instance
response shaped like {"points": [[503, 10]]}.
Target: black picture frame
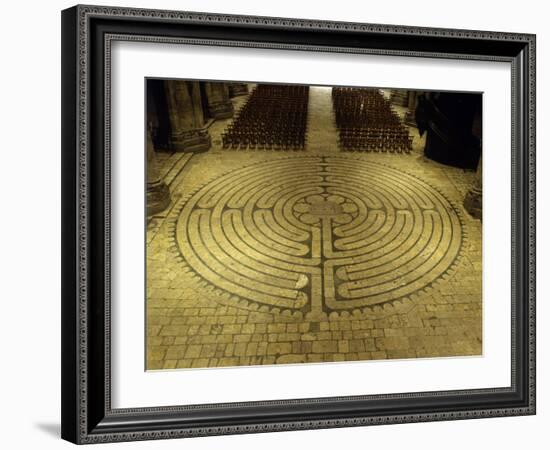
{"points": [[87, 33]]}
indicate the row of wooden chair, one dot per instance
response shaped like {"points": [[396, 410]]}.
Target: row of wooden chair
{"points": [[274, 117], [385, 143], [366, 122]]}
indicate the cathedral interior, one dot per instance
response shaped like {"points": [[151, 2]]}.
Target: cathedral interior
{"points": [[306, 224]]}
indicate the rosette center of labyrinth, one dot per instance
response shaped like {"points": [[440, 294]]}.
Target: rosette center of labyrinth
{"points": [[317, 234]]}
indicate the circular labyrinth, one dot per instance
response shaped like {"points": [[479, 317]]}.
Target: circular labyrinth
{"points": [[318, 234]]}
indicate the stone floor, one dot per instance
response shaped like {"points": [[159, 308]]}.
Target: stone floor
{"points": [[276, 257]]}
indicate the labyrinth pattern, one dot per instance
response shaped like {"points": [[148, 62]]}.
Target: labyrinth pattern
{"points": [[316, 235]]}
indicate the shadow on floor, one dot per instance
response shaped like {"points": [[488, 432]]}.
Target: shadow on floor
{"points": [[52, 429]]}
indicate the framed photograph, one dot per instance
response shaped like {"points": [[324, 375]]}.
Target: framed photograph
{"points": [[279, 224]]}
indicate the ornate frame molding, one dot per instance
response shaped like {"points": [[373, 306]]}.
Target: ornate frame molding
{"points": [[88, 32]]}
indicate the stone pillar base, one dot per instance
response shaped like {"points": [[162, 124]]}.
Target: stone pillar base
{"points": [[238, 89], [410, 119], [221, 110], [158, 197], [473, 202], [190, 141]]}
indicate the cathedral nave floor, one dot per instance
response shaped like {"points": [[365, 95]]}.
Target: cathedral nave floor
{"points": [[317, 255]]}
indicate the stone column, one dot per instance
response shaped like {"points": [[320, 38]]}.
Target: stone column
{"points": [[410, 118], [188, 132], [236, 89], [158, 194], [399, 97], [474, 198], [219, 103]]}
